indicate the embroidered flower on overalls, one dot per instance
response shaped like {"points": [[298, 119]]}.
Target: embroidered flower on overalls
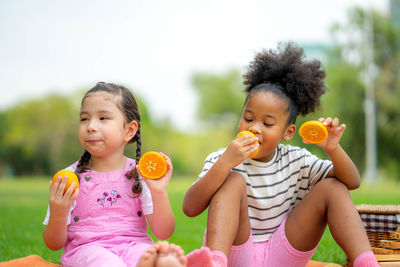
{"points": [[109, 198]]}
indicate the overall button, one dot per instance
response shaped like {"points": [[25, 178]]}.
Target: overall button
{"points": [[139, 213], [76, 219], [87, 178]]}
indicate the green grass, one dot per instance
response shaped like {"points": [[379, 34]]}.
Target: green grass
{"points": [[23, 204]]}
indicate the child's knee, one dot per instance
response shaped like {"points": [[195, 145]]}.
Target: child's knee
{"points": [[234, 183], [237, 180], [232, 191], [332, 183], [331, 187]]}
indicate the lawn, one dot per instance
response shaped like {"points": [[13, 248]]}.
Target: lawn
{"points": [[24, 202]]}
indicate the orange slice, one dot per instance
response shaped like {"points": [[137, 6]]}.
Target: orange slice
{"points": [[313, 132], [242, 133], [71, 178], [152, 165]]}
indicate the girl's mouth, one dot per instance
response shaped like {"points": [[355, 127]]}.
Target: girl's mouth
{"points": [[93, 141]]}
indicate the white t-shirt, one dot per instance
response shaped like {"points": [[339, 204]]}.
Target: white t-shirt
{"points": [[145, 199], [275, 187]]}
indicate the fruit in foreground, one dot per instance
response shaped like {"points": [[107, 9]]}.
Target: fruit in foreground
{"points": [[313, 132], [71, 178], [243, 133], [152, 165]]}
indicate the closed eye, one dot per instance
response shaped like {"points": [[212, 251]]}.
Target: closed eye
{"points": [[267, 124]]}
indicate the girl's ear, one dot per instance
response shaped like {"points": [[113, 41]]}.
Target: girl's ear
{"points": [[131, 129], [289, 132]]}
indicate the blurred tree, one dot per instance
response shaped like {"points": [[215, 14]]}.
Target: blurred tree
{"points": [[40, 135], [3, 145], [346, 94], [221, 98]]}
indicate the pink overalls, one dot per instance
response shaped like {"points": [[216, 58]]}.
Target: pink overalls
{"points": [[107, 227]]}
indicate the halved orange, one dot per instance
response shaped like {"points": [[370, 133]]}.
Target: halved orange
{"points": [[152, 165], [313, 132], [71, 178], [242, 133]]}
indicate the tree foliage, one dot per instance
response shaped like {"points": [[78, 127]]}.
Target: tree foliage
{"points": [[220, 98], [345, 69], [37, 134]]}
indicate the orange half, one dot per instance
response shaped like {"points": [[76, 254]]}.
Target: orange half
{"points": [[243, 133], [71, 178], [313, 132], [152, 165]]}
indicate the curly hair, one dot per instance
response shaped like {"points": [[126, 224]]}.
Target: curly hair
{"points": [[285, 72], [129, 108]]}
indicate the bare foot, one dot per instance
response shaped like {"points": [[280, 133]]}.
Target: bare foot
{"points": [[148, 258], [170, 255], [163, 254]]}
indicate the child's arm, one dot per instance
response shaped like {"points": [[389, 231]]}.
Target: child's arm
{"points": [[55, 232], [162, 221], [200, 193], [343, 167]]}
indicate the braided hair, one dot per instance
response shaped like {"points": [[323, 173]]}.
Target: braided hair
{"points": [[129, 107], [285, 73]]}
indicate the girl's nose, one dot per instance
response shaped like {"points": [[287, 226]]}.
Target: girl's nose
{"points": [[92, 126], [255, 128]]}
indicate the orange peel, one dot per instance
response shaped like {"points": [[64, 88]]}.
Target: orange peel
{"points": [[71, 178], [243, 133]]}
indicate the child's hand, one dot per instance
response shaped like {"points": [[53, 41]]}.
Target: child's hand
{"points": [[60, 203], [240, 149], [335, 133], [159, 185]]}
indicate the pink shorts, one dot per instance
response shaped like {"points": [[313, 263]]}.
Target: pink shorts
{"points": [[97, 254], [276, 252]]}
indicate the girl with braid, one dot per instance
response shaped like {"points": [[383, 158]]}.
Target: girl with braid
{"points": [[272, 209], [103, 223]]}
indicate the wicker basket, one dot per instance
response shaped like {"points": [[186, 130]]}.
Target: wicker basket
{"points": [[380, 221]]}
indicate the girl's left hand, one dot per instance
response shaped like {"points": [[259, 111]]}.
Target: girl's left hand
{"points": [[159, 185], [335, 132]]}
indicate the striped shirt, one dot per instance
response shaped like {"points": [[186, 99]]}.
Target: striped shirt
{"points": [[275, 187]]}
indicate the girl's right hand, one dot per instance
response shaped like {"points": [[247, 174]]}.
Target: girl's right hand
{"points": [[239, 150], [60, 203]]}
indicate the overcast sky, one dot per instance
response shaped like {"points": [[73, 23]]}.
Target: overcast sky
{"points": [[150, 46]]}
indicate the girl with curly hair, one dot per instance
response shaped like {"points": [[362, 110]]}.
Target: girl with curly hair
{"points": [[272, 209]]}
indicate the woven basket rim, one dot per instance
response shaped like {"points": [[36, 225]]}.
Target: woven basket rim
{"points": [[378, 209]]}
